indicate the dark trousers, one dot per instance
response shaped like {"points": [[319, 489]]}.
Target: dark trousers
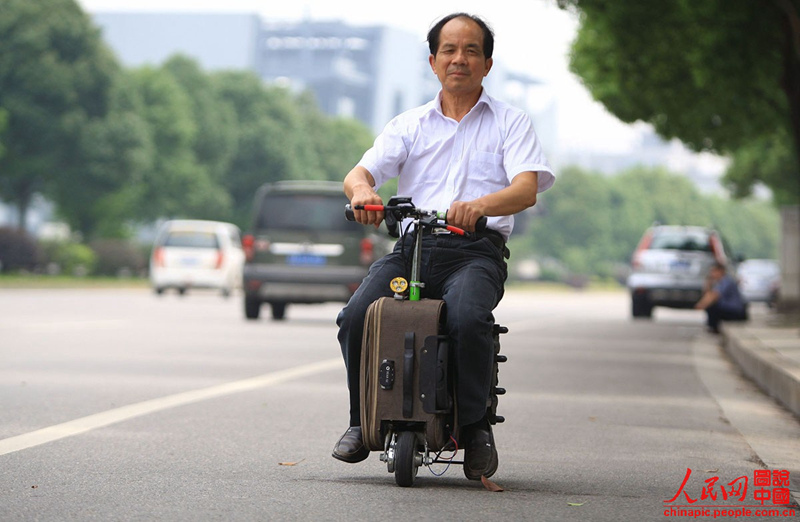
{"points": [[716, 314], [468, 274]]}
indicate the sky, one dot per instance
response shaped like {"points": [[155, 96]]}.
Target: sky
{"points": [[531, 37]]}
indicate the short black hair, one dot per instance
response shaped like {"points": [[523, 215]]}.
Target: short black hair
{"points": [[436, 31]]}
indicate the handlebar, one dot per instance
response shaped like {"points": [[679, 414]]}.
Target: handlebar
{"points": [[426, 218]]}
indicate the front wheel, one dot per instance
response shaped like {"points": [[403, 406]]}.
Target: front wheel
{"points": [[406, 459]]}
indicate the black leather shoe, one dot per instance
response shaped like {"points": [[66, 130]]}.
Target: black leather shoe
{"points": [[350, 447], [480, 456]]}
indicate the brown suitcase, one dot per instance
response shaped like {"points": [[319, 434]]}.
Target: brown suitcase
{"points": [[404, 372]]}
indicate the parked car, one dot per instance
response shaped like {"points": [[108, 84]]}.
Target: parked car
{"points": [[670, 266], [302, 249], [759, 280], [197, 254]]}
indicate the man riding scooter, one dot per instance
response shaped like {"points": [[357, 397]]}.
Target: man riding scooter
{"points": [[469, 153]]}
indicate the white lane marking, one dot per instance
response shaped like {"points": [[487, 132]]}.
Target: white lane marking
{"points": [[63, 325], [106, 418]]}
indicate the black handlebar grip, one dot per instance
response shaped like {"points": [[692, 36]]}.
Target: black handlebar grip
{"points": [[480, 225], [349, 214]]}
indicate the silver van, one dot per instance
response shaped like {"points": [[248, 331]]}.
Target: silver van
{"points": [[670, 266]]}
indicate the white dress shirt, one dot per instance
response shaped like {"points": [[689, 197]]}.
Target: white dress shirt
{"points": [[440, 160]]}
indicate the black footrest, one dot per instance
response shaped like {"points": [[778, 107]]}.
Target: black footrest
{"points": [[499, 329]]}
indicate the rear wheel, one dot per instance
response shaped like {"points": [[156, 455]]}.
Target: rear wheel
{"points": [[278, 311], [252, 308], [641, 306], [406, 463]]}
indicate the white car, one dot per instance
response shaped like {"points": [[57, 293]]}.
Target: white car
{"points": [[759, 280], [197, 254]]}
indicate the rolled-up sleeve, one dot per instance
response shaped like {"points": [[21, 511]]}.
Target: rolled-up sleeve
{"points": [[388, 153], [522, 151]]}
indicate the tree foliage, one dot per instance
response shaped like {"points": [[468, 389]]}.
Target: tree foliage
{"points": [[113, 147], [280, 135], [55, 76], [214, 142], [721, 75], [99, 191], [3, 125], [177, 182], [598, 238]]}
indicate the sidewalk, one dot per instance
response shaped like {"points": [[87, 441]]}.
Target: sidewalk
{"points": [[769, 353]]}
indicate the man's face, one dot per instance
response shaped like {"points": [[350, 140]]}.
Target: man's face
{"points": [[460, 63]]}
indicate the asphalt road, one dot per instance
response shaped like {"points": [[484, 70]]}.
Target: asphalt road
{"points": [[120, 405]]}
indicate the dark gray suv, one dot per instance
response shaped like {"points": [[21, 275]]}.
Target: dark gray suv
{"points": [[301, 249]]}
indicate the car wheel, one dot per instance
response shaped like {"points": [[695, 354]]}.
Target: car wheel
{"points": [[641, 306], [159, 290], [278, 311], [252, 308]]}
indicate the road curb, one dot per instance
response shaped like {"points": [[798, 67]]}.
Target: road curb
{"points": [[758, 354]]}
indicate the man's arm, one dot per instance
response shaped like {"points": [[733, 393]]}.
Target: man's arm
{"points": [[359, 187], [709, 298], [518, 196]]}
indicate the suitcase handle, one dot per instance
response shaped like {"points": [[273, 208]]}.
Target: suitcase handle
{"points": [[408, 376]]}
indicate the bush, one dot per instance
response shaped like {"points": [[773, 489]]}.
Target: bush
{"points": [[116, 257], [69, 258], [18, 250]]}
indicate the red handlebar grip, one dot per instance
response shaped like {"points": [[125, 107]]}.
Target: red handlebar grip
{"points": [[455, 230], [373, 208]]}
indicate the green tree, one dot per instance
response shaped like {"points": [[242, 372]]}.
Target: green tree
{"points": [[575, 223], [593, 223], [268, 138], [214, 142], [337, 143], [721, 75], [342, 145], [176, 185], [3, 125], [55, 78], [99, 191]]}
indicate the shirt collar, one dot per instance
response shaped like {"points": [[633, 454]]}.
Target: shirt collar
{"points": [[485, 99]]}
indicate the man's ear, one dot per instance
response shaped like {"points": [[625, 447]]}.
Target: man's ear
{"points": [[432, 60], [489, 63]]}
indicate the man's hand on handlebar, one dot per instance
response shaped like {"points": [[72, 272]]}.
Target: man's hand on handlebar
{"points": [[367, 198], [464, 214]]}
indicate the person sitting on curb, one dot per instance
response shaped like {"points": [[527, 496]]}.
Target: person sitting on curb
{"points": [[721, 300]]}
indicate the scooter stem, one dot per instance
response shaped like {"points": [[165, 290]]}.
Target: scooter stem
{"points": [[415, 285]]}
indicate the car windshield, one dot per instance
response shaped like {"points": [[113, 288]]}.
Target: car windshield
{"points": [[679, 240], [188, 239], [305, 212]]}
